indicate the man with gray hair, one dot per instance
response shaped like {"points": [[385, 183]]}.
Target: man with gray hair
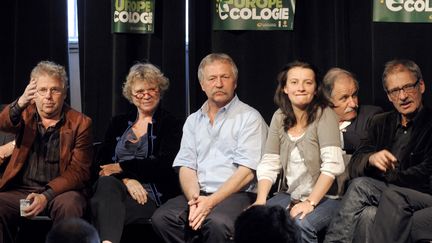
{"points": [[220, 149], [50, 163], [341, 88]]}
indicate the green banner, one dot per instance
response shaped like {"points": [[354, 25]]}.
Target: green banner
{"points": [[133, 16], [406, 11], [253, 14]]}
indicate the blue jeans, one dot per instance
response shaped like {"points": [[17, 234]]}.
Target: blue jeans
{"points": [[315, 221]]}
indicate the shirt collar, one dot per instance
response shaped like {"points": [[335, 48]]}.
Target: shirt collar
{"points": [[344, 125]]}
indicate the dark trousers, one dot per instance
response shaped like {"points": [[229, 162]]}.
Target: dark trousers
{"points": [[66, 205], [403, 215], [170, 221], [363, 192], [365, 221], [112, 208]]}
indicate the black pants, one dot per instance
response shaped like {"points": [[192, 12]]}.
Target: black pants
{"points": [[170, 220], [403, 215], [112, 208], [362, 193], [69, 204], [364, 225]]}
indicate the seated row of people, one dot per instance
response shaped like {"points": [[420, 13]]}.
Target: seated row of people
{"points": [[223, 145]]}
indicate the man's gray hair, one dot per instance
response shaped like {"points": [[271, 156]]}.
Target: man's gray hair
{"points": [[50, 69], [210, 58], [399, 65], [330, 78]]}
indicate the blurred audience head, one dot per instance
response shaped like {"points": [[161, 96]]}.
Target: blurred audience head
{"points": [[260, 224], [73, 230]]}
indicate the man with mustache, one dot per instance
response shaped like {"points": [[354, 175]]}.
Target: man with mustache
{"points": [[341, 88], [50, 163], [220, 149], [396, 156]]}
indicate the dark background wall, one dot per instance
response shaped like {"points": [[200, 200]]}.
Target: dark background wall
{"points": [[105, 58], [326, 33], [31, 31]]}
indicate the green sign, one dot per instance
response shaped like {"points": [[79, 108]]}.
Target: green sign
{"points": [[253, 14], [407, 11], [133, 16]]}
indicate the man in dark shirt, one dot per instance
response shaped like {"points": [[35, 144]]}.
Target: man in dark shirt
{"points": [[50, 163], [397, 155]]}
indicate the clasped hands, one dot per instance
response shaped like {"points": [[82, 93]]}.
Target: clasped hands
{"points": [[199, 208]]}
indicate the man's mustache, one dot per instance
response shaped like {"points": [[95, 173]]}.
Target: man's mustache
{"points": [[219, 91], [351, 109]]}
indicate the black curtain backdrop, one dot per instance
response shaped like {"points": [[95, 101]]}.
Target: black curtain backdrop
{"points": [[326, 33], [32, 31], [105, 58]]}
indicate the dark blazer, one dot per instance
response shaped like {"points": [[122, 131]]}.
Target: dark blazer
{"points": [[358, 129], [164, 144], [415, 168], [75, 148]]}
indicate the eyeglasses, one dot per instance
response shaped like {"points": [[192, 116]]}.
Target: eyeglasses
{"points": [[52, 91], [408, 88], [141, 93]]}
